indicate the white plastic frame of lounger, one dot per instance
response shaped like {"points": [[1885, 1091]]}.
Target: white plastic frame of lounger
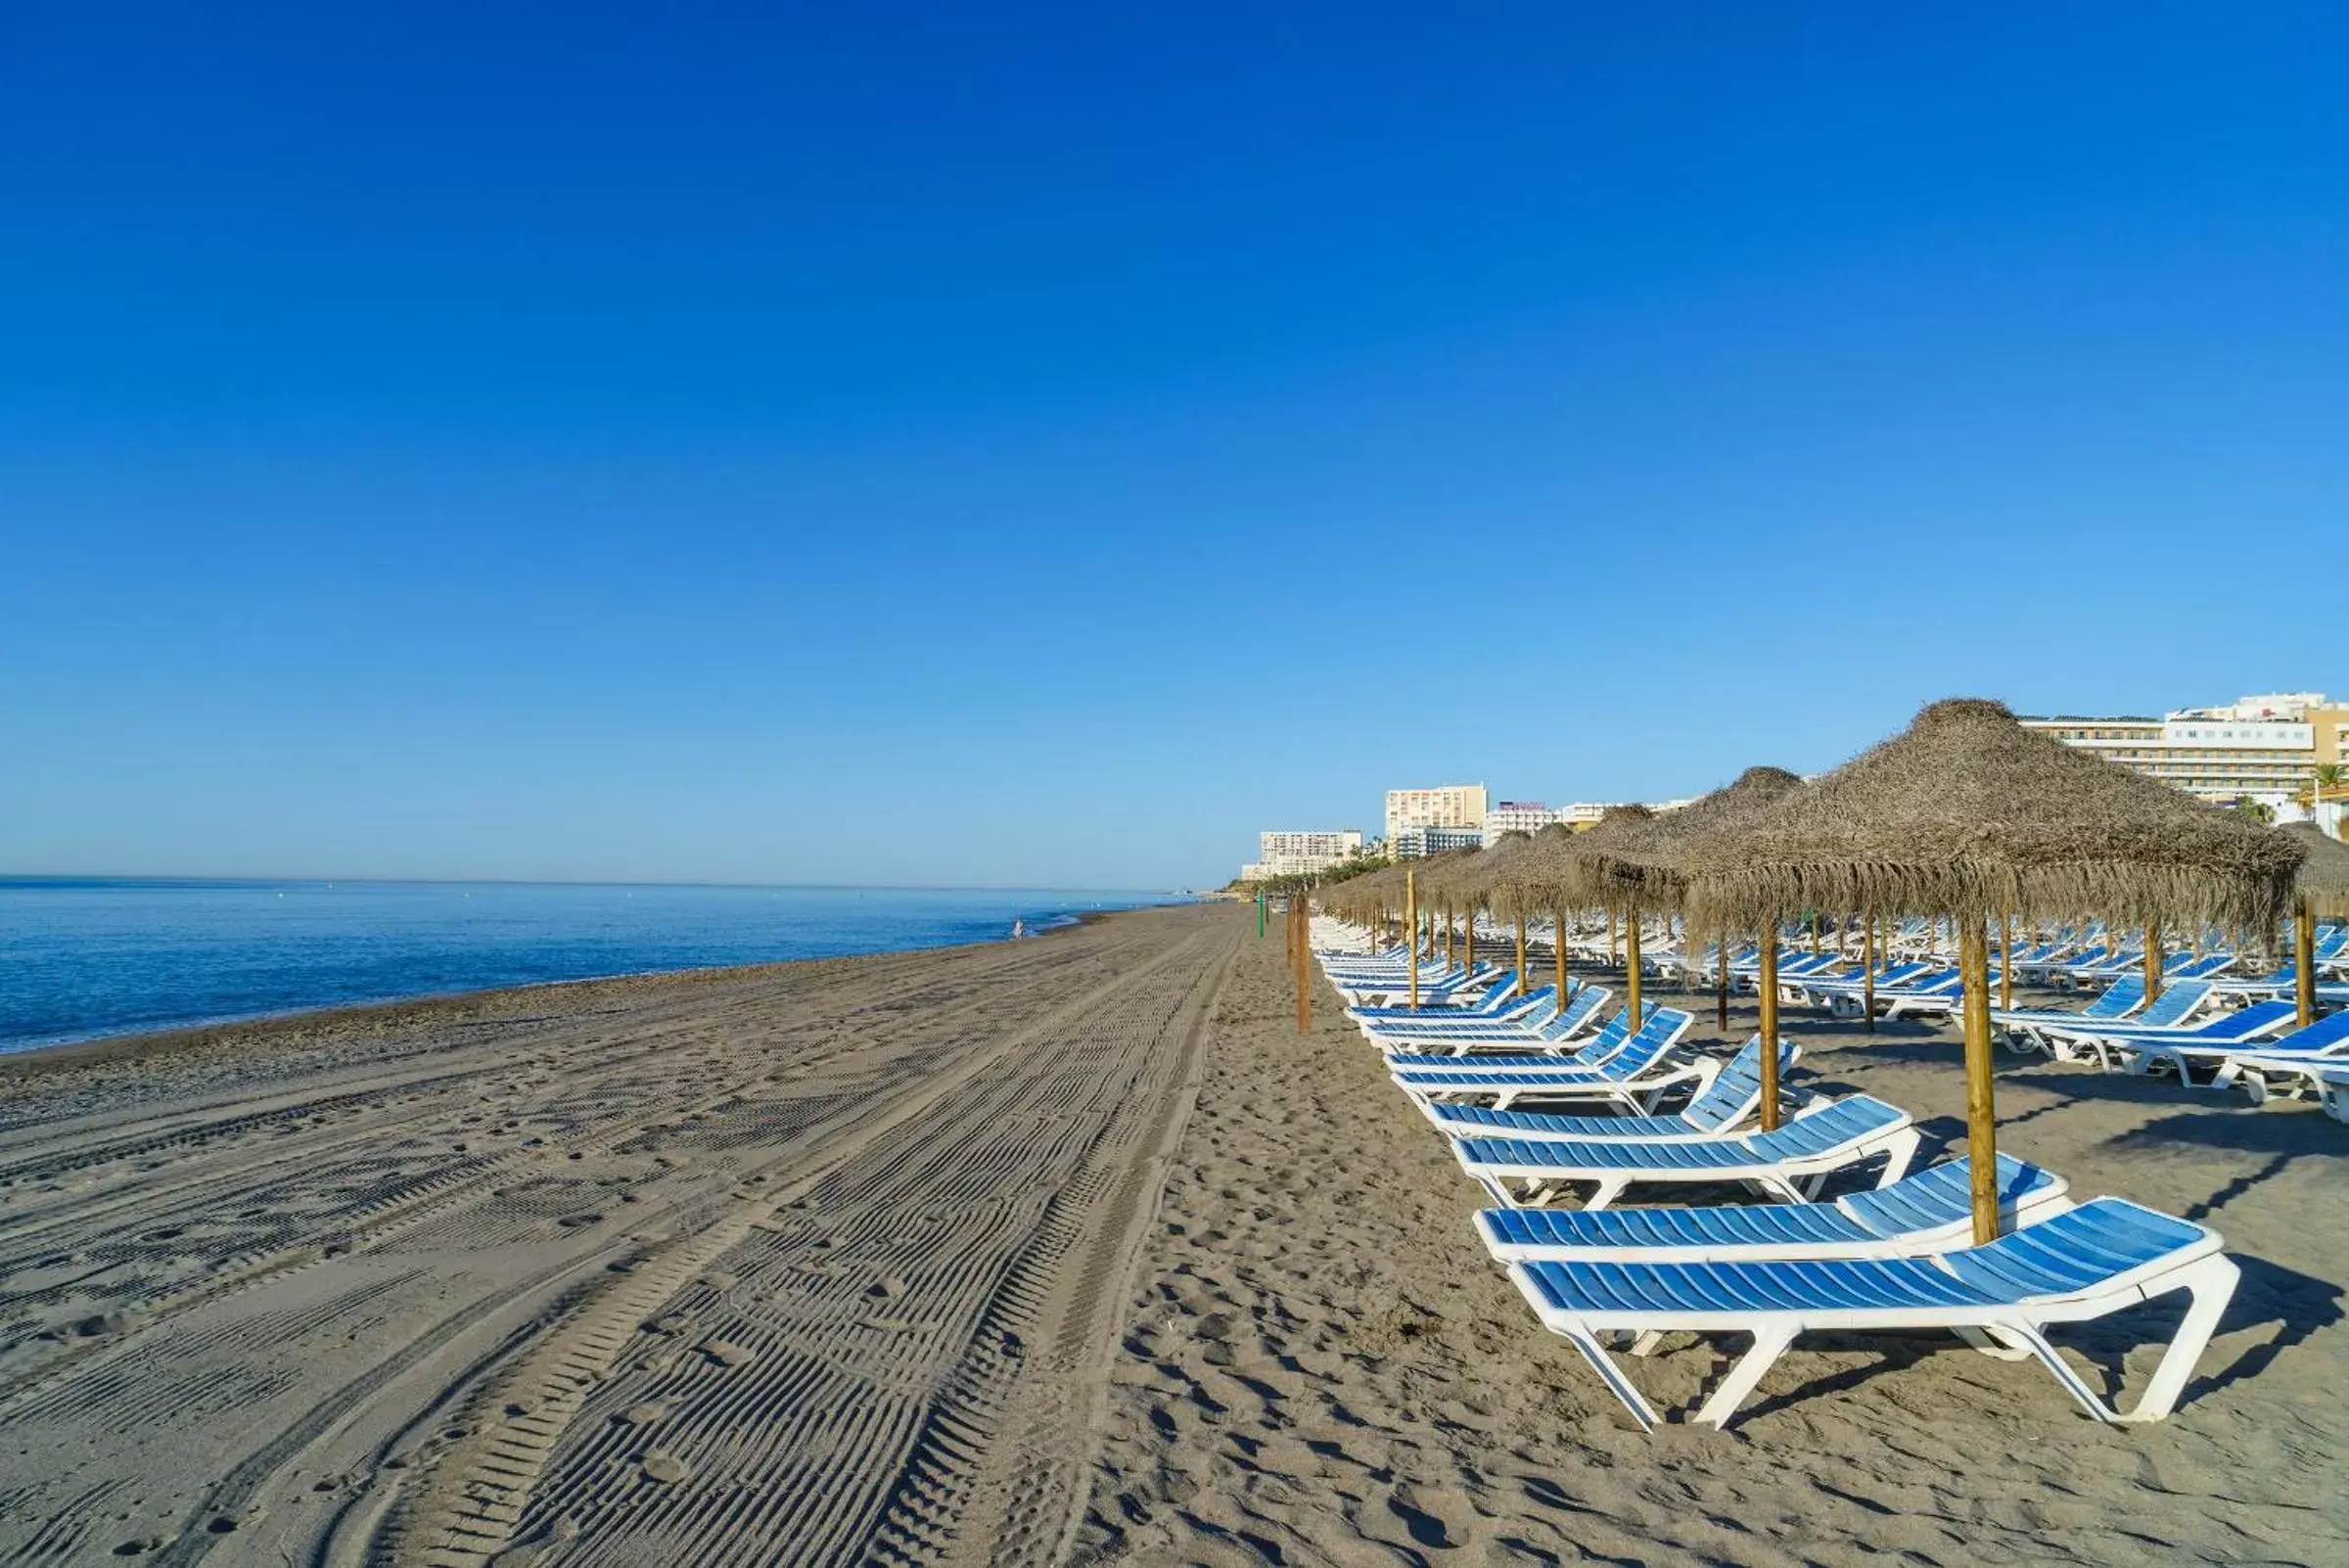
{"points": [[2007, 1331], [1797, 1178], [2049, 1196]]}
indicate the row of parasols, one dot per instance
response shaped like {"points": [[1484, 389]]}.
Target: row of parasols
{"points": [[1965, 814]]}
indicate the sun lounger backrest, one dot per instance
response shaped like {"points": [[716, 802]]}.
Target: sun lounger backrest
{"points": [[1588, 1000], [1661, 1031], [1737, 1088], [2327, 1034], [1943, 1194], [1853, 1117], [2121, 995], [2073, 1251], [2246, 1022], [2177, 1000]]}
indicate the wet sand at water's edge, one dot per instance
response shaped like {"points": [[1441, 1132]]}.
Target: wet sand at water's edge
{"points": [[1061, 1250]]}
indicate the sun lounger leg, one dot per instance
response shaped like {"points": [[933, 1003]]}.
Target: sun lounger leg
{"points": [[1607, 1191], [1899, 1152], [1998, 1349], [1770, 1343], [1604, 1364], [2211, 1286]]}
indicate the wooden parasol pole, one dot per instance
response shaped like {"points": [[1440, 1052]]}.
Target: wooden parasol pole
{"points": [[1868, 973], [2006, 961], [1631, 958], [1766, 983], [1410, 914], [2304, 960], [1981, 1111], [1447, 937], [1557, 941], [2152, 963], [1468, 936], [1721, 980]]}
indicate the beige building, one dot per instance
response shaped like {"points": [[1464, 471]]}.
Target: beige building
{"points": [[2267, 746], [1447, 805]]}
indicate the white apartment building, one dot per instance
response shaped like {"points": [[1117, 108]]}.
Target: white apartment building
{"points": [[1518, 816], [1447, 805], [1299, 854], [2268, 747]]}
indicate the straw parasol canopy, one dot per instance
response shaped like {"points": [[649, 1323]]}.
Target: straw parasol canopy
{"points": [[1494, 878], [1639, 852], [2324, 877], [1582, 870], [1966, 813]]}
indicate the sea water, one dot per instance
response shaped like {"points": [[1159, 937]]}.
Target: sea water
{"points": [[87, 957]]}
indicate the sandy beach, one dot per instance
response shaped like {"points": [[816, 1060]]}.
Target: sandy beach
{"points": [[1061, 1250]]}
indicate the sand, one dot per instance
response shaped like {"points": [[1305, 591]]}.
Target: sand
{"points": [[1321, 1367], [1061, 1250], [814, 1264]]}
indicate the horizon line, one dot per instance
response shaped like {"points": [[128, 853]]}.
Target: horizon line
{"points": [[573, 882]]}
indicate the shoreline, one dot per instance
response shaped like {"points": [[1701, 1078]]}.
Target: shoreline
{"points": [[432, 1009]]}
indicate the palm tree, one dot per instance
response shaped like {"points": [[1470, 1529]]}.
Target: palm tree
{"points": [[2327, 777]]}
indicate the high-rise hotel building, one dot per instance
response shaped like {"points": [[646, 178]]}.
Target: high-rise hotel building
{"points": [[1447, 805], [2268, 747]]}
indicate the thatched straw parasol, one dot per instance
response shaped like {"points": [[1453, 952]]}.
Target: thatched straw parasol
{"points": [[1598, 868], [1636, 856], [2322, 882], [2321, 887], [1499, 882], [1968, 813]]}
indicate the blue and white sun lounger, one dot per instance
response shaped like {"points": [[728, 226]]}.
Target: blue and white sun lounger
{"points": [[1733, 1095], [2263, 1077], [2100, 1258], [1536, 1007], [1554, 1039], [2325, 1043], [1499, 991], [2125, 1046], [1639, 1074], [1791, 1161], [1929, 1211], [1940, 993], [2021, 1025]]}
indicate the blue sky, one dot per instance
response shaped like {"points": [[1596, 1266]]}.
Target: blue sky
{"points": [[1044, 446]]}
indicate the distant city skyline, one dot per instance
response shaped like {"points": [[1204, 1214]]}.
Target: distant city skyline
{"points": [[1046, 448]]}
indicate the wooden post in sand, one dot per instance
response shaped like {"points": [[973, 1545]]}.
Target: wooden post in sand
{"points": [[1523, 983], [1557, 943], [1766, 984], [2304, 960], [2152, 963], [1631, 960], [1410, 913], [1721, 980], [2005, 962], [1981, 1110], [1868, 972], [1304, 967]]}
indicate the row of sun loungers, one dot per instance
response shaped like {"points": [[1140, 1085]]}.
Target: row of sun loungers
{"points": [[1512, 1083]]}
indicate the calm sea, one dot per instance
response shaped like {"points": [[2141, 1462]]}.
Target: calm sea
{"points": [[81, 959]]}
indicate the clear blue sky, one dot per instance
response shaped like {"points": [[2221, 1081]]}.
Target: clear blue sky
{"points": [[984, 444]]}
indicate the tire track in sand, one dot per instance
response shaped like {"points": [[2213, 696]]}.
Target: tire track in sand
{"points": [[533, 1456]]}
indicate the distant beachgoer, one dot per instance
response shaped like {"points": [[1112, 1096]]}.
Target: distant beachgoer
{"points": [[1019, 928]]}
